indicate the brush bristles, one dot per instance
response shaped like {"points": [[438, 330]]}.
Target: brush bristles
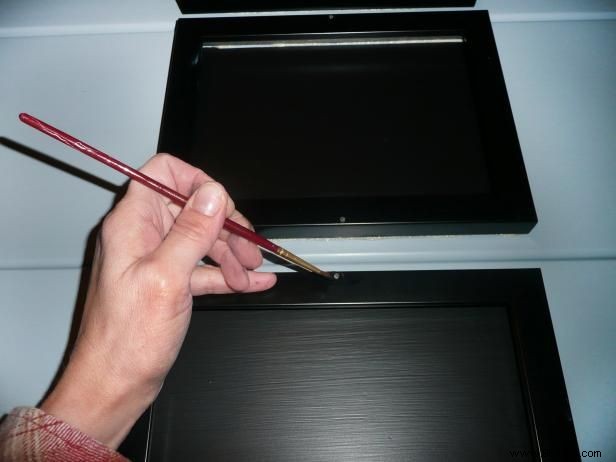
{"points": [[285, 254]]}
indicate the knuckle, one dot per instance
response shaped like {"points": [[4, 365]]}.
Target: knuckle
{"points": [[156, 161], [162, 283], [191, 225], [162, 157], [109, 228]]}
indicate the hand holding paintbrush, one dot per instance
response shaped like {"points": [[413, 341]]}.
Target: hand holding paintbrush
{"points": [[138, 305]]}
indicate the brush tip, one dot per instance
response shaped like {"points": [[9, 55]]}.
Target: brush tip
{"points": [[332, 276]]}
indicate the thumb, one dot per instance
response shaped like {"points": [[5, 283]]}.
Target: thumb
{"points": [[195, 230]]}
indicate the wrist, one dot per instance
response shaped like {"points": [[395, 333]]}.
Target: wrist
{"points": [[93, 401]]}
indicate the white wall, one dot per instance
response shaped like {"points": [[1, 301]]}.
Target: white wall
{"points": [[98, 70]]}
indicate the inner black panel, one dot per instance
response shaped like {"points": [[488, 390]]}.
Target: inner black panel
{"points": [[386, 384], [338, 121]]}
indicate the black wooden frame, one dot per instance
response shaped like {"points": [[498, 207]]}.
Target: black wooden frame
{"points": [[519, 290], [507, 208], [221, 6]]}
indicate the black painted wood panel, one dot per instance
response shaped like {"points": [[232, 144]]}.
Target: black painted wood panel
{"points": [[345, 385], [390, 366]]}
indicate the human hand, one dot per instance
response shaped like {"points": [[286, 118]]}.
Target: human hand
{"points": [[139, 300]]}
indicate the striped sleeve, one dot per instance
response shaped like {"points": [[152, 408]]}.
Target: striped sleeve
{"points": [[30, 435]]}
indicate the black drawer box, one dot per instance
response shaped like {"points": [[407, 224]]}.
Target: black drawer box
{"points": [[424, 365], [350, 125]]}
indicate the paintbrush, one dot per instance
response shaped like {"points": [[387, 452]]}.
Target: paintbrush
{"points": [[175, 196]]}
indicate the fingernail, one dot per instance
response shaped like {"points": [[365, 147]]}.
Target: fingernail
{"points": [[209, 199]]}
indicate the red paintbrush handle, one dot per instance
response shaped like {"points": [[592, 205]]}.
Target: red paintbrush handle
{"points": [[251, 236], [136, 175]]}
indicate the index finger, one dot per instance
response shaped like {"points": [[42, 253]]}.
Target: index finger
{"points": [[173, 173]]}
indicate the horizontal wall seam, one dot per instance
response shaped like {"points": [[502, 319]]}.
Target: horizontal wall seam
{"points": [[374, 260]]}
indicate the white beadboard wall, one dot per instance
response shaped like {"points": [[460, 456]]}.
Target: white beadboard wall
{"points": [[98, 70]]}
